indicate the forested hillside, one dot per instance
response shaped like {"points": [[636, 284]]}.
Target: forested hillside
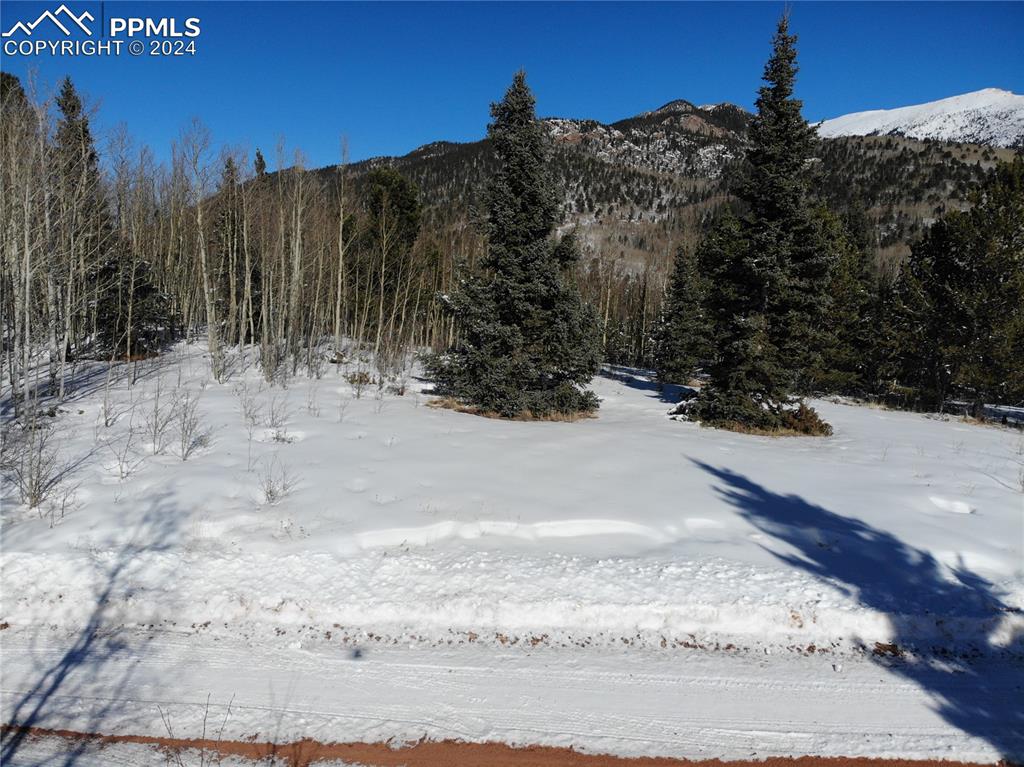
{"points": [[110, 254], [640, 186]]}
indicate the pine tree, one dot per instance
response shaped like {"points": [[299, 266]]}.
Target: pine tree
{"points": [[989, 362], [924, 322], [130, 281], [80, 182], [12, 95], [393, 202], [771, 306], [260, 165], [846, 365], [959, 301], [719, 258], [683, 338], [87, 236], [393, 226], [790, 251], [527, 342]]}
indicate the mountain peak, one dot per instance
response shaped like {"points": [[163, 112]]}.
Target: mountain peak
{"points": [[676, 106], [720, 105], [988, 116]]}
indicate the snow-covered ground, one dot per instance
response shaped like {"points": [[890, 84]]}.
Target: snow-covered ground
{"points": [[626, 583]]}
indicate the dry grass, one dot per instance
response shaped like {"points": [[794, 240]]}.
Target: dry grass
{"points": [[802, 422], [969, 420], [991, 423], [450, 403], [742, 428]]}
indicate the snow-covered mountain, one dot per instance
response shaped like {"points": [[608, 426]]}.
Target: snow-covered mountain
{"points": [[989, 116]]}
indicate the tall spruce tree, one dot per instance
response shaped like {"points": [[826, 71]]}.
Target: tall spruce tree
{"points": [[80, 186], [87, 238], [719, 259], [847, 362], [527, 343], [683, 337], [771, 308], [259, 164]]}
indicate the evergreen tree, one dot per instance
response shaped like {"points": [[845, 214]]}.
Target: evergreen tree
{"points": [[527, 342], [790, 252], [260, 165], [858, 227], [771, 306], [131, 315], [80, 183], [683, 338], [394, 206], [12, 95], [225, 241], [989, 362], [719, 260], [130, 282], [959, 301], [392, 228], [87, 236], [847, 365]]}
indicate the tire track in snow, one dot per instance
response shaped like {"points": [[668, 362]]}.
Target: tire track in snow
{"points": [[687, 704]]}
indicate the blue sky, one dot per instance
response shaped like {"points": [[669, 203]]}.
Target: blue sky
{"points": [[393, 76]]}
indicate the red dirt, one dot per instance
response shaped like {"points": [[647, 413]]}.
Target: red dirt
{"points": [[450, 753]]}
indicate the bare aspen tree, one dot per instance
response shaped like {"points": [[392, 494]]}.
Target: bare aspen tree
{"points": [[340, 282], [247, 321], [298, 206], [195, 144], [385, 234], [18, 200]]}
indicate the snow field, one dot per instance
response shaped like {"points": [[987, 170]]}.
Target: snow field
{"points": [[406, 519], [991, 115]]}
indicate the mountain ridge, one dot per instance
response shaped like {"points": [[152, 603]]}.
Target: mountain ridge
{"points": [[638, 188], [990, 116]]}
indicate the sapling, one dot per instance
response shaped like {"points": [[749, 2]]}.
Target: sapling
{"points": [[32, 460], [251, 413], [279, 414], [124, 450], [276, 481], [158, 419], [112, 408], [313, 401], [1020, 462], [191, 437], [358, 379]]}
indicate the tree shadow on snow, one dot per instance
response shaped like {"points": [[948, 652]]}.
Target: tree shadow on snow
{"points": [[975, 685], [102, 657], [644, 380], [85, 378]]}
